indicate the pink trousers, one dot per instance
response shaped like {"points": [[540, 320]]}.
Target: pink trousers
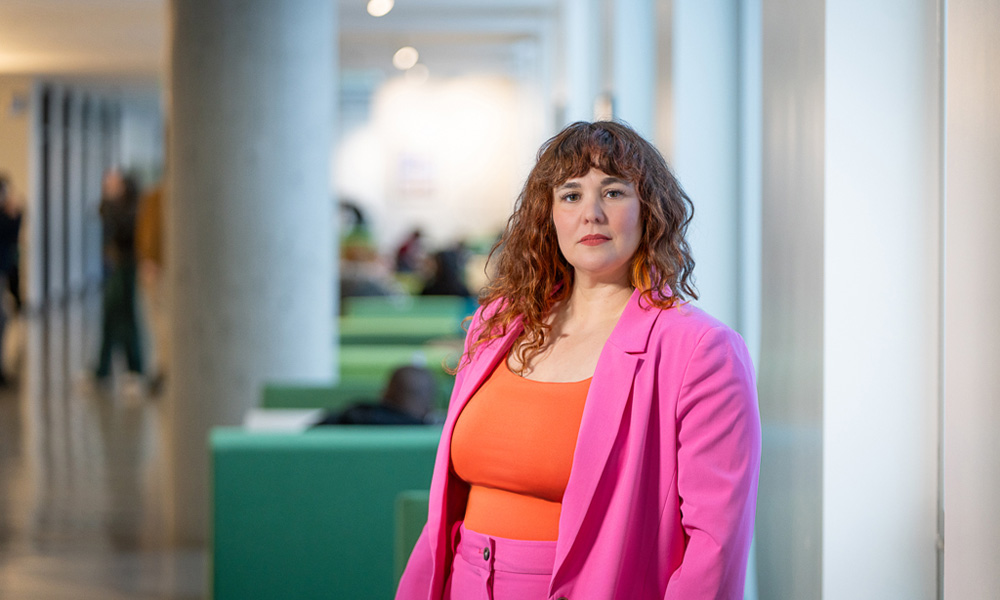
{"points": [[493, 568]]}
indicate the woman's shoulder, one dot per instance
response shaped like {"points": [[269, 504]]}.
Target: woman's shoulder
{"points": [[690, 325], [688, 315]]}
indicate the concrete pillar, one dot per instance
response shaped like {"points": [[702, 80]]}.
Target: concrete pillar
{"points": [[250, 224]]}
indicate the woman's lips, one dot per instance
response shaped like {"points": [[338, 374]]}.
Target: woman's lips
{"points": [[593, 240]]}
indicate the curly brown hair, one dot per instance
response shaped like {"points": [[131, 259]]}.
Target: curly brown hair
{"points": [[532, 275]]}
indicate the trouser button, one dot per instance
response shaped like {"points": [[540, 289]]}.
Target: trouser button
{"points": [[486, 553]]}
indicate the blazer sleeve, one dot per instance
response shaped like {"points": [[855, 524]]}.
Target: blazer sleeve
{"points": [[718, 461]]}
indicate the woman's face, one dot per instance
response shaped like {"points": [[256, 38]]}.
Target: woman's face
{"points": [[597, 224]]}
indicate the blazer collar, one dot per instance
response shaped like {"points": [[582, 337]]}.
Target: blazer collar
{"points": [[631, 334]]}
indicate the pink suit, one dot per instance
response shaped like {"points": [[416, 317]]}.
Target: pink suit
{"points": [[661, 498]]}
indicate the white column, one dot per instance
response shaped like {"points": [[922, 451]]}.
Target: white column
{"points": [[92, 193], [54, 222], [76, 219], [972, 319], [790, 372], [634, 63], [583, 48], [706, 148], [880, 302], [250, 228]]}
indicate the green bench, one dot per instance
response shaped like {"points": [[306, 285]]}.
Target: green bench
{"points": [[311, 515]]}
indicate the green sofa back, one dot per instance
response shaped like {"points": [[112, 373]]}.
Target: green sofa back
{"points": [[311, 515], [311, 395], [409, 306], [365, 329], [411, 516]]}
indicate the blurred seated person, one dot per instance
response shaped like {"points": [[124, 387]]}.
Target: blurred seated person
{"points": [[410, 255], [363, 274], [449, 275], [408, 399]]}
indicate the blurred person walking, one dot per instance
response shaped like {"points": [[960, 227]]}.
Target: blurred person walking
{"points": [[119, 206]]}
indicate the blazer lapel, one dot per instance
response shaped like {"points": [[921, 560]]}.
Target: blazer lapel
{"points": [[487, 358], [609, 393]]}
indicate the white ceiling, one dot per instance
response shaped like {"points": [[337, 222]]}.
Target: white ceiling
{"points": [[125, 40]]}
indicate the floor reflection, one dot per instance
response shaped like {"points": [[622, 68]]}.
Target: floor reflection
{"points": [[81, 477]]}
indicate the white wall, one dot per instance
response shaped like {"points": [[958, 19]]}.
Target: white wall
{"points": [[972, 286], [899, 124], [16, 111], [142, 135], [449, 156], [881, 307]]}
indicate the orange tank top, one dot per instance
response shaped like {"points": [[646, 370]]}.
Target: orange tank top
{"points": [[513, 444]]}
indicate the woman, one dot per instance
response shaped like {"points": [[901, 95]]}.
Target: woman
{"points": [[603, 439]]}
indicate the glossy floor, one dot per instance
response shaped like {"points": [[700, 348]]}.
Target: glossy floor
{"points": [[82, 515]]}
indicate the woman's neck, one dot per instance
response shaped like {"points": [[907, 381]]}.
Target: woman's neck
{"points": [[596, 302]]}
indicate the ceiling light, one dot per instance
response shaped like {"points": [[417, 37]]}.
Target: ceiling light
{"points": [[379, 8], [405, 58]]}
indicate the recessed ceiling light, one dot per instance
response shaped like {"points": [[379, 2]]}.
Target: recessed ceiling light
{"points": [[405, 58], [379, 8]]}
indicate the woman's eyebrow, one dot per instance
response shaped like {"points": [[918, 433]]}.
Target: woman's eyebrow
{"points": [[605, 181], [569, 184]]}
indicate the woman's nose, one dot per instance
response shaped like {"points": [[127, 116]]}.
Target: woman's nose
{"points": [[594, 212]]}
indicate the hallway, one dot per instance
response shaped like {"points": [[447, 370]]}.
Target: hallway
{"points": [[82, 510]]}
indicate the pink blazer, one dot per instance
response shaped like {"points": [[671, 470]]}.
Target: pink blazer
{"points": [[661, 497]]}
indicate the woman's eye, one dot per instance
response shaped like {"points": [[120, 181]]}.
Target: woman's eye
{"points": [[570, 197], [615, 193]]}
